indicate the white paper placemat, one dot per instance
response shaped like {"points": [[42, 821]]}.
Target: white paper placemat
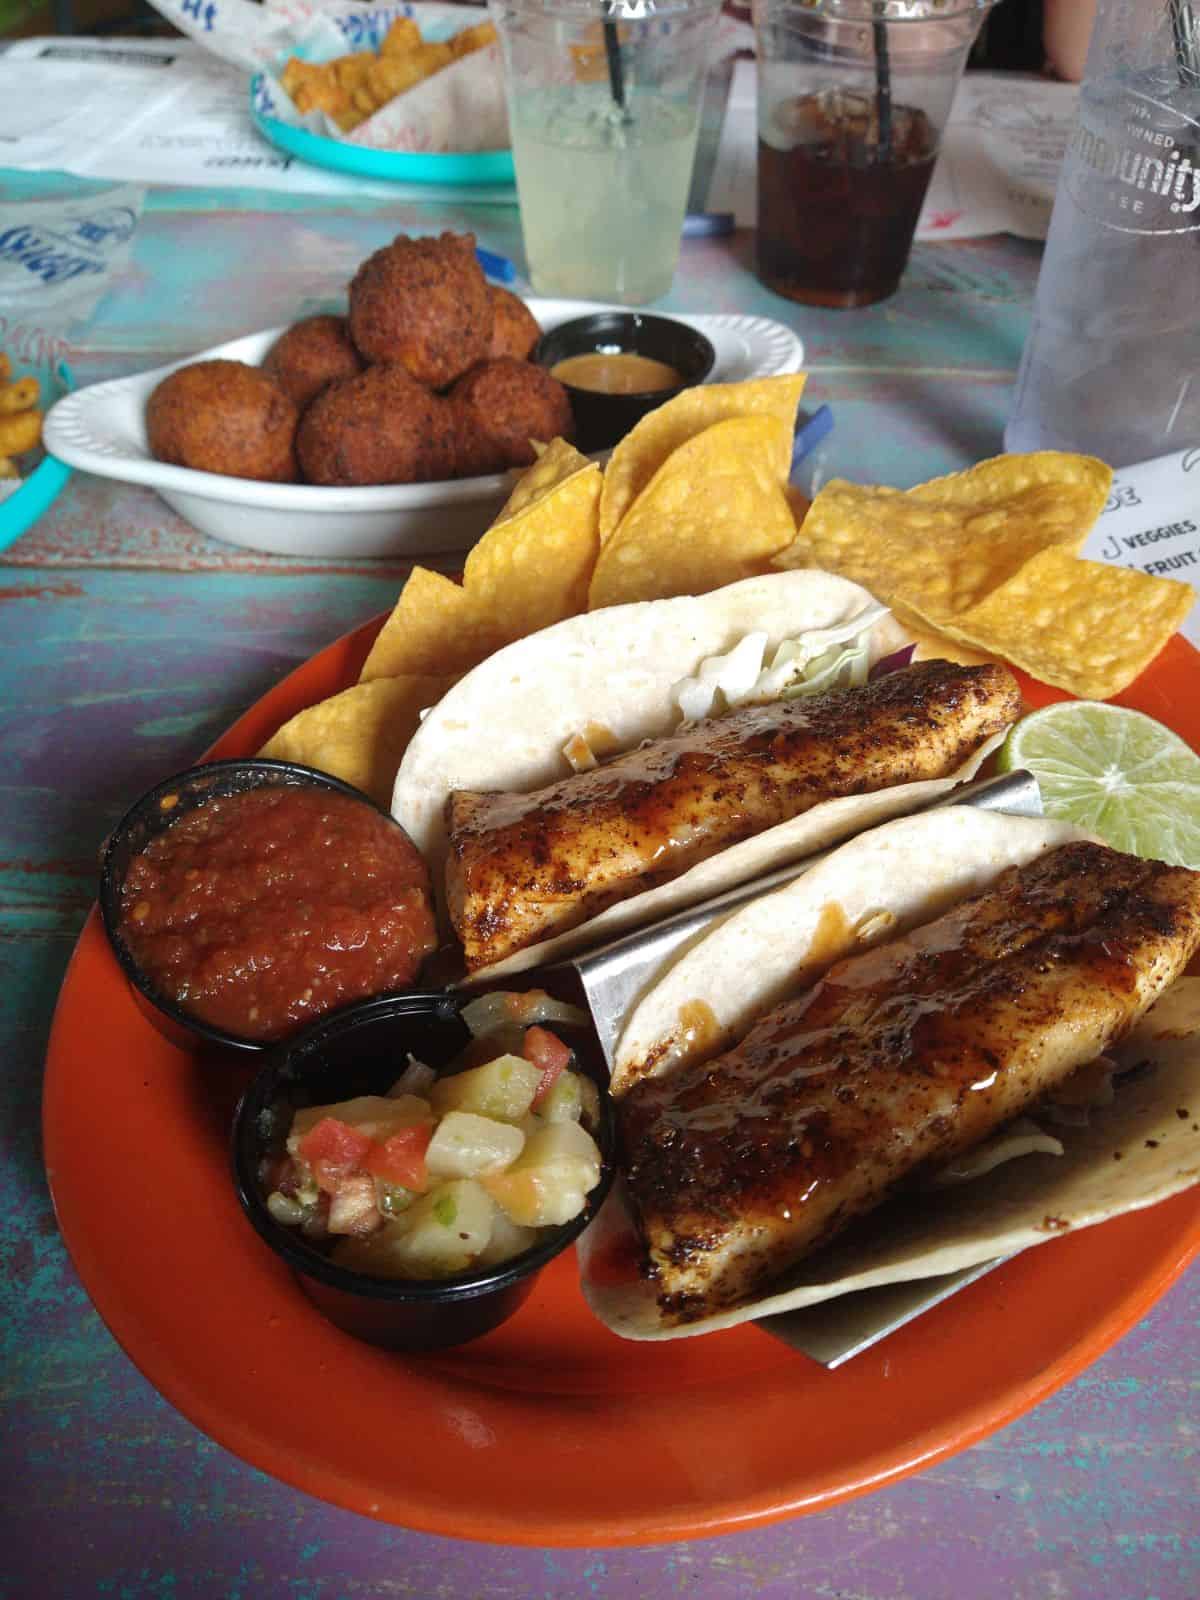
{"points": [[161, 111]]}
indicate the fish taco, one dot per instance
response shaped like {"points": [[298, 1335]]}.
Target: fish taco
{"points": [[958, 1035], [629, 762]]}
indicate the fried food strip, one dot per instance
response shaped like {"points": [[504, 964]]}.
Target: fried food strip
{"points": [[898, 1059], [524, 866]]}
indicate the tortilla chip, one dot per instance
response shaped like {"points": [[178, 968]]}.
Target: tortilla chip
{"points": [[556, 462], [360, 734], [528, 570], [1080, 625], [644, 450], [716, 511], [939, 647], [938, 549], [433, 628], [533, 568]]}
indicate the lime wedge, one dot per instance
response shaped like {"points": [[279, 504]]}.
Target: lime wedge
{"points": [[1120, 774]]}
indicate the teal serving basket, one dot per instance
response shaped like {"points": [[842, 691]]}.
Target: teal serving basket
{"points": [[44, 484], [455, 168]]}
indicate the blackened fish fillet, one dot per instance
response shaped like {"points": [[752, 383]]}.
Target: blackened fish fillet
{"points": [[901, 1057], [522, 867]]}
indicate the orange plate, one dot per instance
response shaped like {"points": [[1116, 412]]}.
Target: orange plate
{"points": [[550, 1430]]}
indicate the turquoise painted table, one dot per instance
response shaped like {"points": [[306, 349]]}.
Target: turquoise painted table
{"points": [[127, 642]]}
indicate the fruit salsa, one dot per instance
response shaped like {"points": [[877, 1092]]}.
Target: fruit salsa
{"points": [[445, 1173]]}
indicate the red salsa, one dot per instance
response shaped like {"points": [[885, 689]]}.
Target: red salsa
{"points": [[257, 912]]}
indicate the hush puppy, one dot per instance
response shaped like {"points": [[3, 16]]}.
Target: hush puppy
{"points": [[311, 354], [515, 329], [379, 427], [499, 406], [224, 416], [423, 303]]}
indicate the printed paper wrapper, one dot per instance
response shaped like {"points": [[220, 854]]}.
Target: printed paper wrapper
{"points": [[57, 260], [461, 108]]}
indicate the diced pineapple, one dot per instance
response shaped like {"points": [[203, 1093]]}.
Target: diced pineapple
{"points": [[376, 1115], [503, 1089], [561, 1146], [508, 1240], [549, 1181], [466, 1146], [564, 1102], [445, 1229]]}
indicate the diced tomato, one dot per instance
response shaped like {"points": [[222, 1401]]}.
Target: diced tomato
{"points": [[400, 1158], [547, 1051], [333, 1149]]}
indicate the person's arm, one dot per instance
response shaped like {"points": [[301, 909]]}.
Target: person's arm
{"points": [[1066, 29]]}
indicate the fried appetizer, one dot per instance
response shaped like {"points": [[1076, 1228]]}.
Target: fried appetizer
{"points": [[378, 427], [311, 354], [899, 1059], [424, 304], [224, 416], [515, 329], [523, 867], [501, 407]]}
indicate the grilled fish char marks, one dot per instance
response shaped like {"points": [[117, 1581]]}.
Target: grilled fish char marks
{"points": [[524, 866], [901, 1058]]}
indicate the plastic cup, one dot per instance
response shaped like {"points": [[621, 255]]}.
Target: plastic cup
{"points": [[853, 98], [604, 108]]}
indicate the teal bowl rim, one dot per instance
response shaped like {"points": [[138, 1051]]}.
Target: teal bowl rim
{"points": [[391, 166], [41, 488]]}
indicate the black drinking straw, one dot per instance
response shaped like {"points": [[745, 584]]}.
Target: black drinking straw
{"points": [[883, 89], [612, 53]]}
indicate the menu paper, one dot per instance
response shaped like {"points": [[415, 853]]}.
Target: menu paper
{"points": [[1152, 523], [996, 172], [162, 111]]}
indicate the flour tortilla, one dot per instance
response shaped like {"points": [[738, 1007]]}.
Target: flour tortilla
{"points": [[887, 880], [1133, 1153], [504, 725]]}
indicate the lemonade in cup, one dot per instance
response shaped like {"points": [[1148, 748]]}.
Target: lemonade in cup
{"points": [[604, 106]]}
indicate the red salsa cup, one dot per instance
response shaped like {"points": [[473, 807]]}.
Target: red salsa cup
{"points": [[244, 899]]}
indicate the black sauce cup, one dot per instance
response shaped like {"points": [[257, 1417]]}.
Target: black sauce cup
{"points": [[158, 810], [363, 1049], [602, 419]]}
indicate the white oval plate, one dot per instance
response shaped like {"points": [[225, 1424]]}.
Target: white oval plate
{"points": [[101, 429]]}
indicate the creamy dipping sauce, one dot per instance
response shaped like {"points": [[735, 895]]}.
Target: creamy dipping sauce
{"points": [[616, 372]]}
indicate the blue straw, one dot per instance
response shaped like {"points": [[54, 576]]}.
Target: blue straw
{"points": [[498, 267], [809, 435]]}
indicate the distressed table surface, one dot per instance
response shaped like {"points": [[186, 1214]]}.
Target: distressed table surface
{"points": [[127, 641]]}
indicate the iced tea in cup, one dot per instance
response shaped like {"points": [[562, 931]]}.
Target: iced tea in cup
{"points": [[604, 106], [853, 96]]}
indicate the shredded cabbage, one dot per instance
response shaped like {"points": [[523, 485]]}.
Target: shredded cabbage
{"points": [[822, 658], [1021, 1137]]}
